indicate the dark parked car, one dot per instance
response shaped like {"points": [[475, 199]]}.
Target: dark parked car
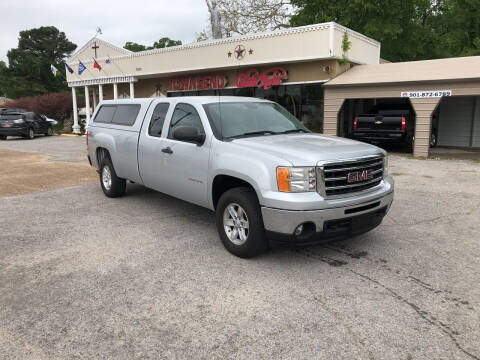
{"points": [[14, 122], [388, 124]]}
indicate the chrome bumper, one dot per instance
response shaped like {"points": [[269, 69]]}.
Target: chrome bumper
{"points": [[285, 221]]}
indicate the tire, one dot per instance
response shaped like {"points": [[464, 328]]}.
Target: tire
{"points": [[111, 184], [246, 236], [31, 134], [49, 131], [433, 139], [3, 137]]}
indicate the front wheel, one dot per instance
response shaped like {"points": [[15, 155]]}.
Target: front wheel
{"points": [[240, 224], [49, 131], [111, 184]]}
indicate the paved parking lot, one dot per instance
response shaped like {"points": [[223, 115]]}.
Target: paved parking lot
{"points": [[145, 276]]}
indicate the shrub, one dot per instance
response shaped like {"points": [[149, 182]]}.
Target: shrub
{"points": [[57, 106]]}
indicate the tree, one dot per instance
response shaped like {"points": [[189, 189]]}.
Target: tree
{"points": [[216, 26], [407, 29], [54, 105], [161, 43], [28, 72], [247, 16], [132, 46], [402, 26]]}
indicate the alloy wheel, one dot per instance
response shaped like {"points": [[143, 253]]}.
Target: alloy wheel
{"points": [[235, 223]]}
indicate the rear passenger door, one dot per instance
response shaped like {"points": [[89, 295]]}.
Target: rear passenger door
{"points": [[151, 161]]}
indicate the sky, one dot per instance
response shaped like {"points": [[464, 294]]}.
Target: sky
{"points": [[140, 21]]}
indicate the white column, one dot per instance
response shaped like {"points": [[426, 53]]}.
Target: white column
{"points": [[94, 96], [87, 106], [75, 127], [115, 91], [132, 90], [100, 92]]}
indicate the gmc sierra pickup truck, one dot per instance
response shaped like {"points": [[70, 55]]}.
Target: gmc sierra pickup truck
{"points": [[267, 177]]}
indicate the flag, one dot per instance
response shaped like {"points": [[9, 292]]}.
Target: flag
{"points": [[96, 65], [69, 69], [81, 68], [53, 69]]}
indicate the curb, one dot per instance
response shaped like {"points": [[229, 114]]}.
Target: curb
{"points": [[72, 135]]}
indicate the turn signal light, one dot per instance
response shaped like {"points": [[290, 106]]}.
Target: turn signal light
{"points": [[296, 179], [89, 133], [283, 179]]}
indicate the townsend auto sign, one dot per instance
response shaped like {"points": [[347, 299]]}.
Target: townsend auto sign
{"points": [[198, 83]]}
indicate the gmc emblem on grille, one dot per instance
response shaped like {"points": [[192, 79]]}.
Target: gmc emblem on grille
{"points": [[359, 176]]}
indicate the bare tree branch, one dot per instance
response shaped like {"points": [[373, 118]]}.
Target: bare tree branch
{"points": [[247, 16]]}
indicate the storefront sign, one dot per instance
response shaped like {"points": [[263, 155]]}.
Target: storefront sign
{"points": [[426, 94], [266, 80], [198, 83]]}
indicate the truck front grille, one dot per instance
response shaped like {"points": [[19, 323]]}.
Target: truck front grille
{"points": [[347, 177]]}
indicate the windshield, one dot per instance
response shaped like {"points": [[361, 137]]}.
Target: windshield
{"points": [[241, 119]]}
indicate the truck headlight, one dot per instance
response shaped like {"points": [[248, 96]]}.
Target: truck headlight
{"points": [[18, 121], [296, 179]]}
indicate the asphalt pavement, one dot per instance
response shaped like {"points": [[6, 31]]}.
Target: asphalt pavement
{"points": [[146, 277]]}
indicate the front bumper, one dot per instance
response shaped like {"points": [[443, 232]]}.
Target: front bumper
{"points": [[326, 224]]}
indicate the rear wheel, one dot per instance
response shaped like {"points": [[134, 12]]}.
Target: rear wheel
{"points": [[30, 134], [49, 131], [3, 137], [111, 184], [240, 224], [433, 139]]}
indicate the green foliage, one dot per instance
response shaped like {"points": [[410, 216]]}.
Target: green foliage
{"points": [[201, 36], [346, 46], [162, 43], [134, 46], [28, 73], [407, 29]]}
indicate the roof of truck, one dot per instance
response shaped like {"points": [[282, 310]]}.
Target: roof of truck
{"points": [[190, 99]]}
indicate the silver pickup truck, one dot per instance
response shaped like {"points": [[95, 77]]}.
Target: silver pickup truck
{"points": [[267, 177]]}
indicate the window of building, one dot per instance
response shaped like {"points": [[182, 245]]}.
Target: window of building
{"points": [[158, 119], [185, 115], [304, 101]]}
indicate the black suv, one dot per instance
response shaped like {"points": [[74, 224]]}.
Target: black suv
{"points": [[18, 122]]}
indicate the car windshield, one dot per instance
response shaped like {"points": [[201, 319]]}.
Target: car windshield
{"points": [[243, 119]]}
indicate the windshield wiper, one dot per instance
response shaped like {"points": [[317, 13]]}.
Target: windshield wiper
{"points": [[263, 132], [294, 131]]}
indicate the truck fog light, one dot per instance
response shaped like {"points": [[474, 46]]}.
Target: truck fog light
{"points": [[298, 230]]}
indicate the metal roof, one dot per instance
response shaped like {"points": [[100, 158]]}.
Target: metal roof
{"points": [[460, 68]]}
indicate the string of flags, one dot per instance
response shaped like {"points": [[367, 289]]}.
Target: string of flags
{"points": [[81, 67]]}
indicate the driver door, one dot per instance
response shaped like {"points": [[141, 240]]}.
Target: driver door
{"points": [[186, 164]]}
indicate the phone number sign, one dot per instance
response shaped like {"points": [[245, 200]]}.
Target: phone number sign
{"points": [[426, 94]]}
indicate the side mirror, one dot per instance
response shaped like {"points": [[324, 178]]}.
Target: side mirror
{"points": [[189, 134]]}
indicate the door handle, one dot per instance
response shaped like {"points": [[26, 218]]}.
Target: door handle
{"points": [[167, 150]]}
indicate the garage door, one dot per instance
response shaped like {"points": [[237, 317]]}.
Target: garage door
{"points": [[455, 121]]}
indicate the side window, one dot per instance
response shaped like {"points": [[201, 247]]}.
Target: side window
{"points": [[105, 114], [158, 119], [185, 115], [126, 114]]}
